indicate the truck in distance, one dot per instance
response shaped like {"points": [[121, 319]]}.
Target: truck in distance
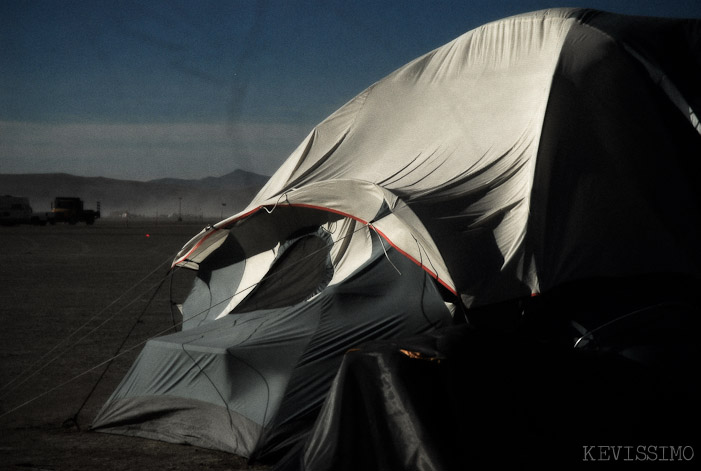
{"points": [[71, 210]]}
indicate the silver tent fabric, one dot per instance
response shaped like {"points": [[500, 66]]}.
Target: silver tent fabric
{"points": [[527, 153], [531, 152]]}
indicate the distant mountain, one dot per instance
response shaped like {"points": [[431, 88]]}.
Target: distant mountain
{"points": [[235, 179], [210, 197]]}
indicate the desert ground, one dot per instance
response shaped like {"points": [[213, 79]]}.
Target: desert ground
{"points": [[77, 304], [72, 298]]}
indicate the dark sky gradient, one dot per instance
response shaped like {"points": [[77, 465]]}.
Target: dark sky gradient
{"points": [[150, 89]]}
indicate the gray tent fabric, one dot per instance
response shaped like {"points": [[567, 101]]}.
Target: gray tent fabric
{"points": [[542, 150], [236, 382]]}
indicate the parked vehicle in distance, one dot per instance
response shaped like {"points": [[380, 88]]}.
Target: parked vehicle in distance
{"points": [[70, 210], [17, 210]]}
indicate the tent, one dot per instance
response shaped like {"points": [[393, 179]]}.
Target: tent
{"points": [[552, 149], [250, 379]]}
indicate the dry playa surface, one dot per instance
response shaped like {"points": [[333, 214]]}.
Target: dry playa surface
{"points": [[71, 299]]}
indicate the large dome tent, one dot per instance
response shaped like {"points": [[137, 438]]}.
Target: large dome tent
{"points": [[548, 150]]}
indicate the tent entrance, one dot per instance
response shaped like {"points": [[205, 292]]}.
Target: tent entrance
{"points": [[301, 269]]}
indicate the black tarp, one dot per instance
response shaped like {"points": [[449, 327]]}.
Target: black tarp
{"points": [[466, 396]]}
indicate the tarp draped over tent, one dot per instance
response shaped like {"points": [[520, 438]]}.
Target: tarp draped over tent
{"points": [[532, 152]]}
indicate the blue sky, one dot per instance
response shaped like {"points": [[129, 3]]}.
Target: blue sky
{"points": [[149, 89]]}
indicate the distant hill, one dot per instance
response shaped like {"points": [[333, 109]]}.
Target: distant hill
{"points": [[209, 197], [235, 179]]}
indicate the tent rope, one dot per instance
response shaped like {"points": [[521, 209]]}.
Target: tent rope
{"points": [[157, 334], [74, 419], [12, 385], [114, 357], [332, 228], [283, 195], [423, 288], [383, 248], [164, 331], [91, 369], [591, 332], [421, 247]]}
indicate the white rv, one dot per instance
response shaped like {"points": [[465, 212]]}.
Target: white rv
{"points": [[17, 210]]}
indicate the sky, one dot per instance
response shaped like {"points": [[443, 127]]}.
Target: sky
{"points": [[139, 90]]}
